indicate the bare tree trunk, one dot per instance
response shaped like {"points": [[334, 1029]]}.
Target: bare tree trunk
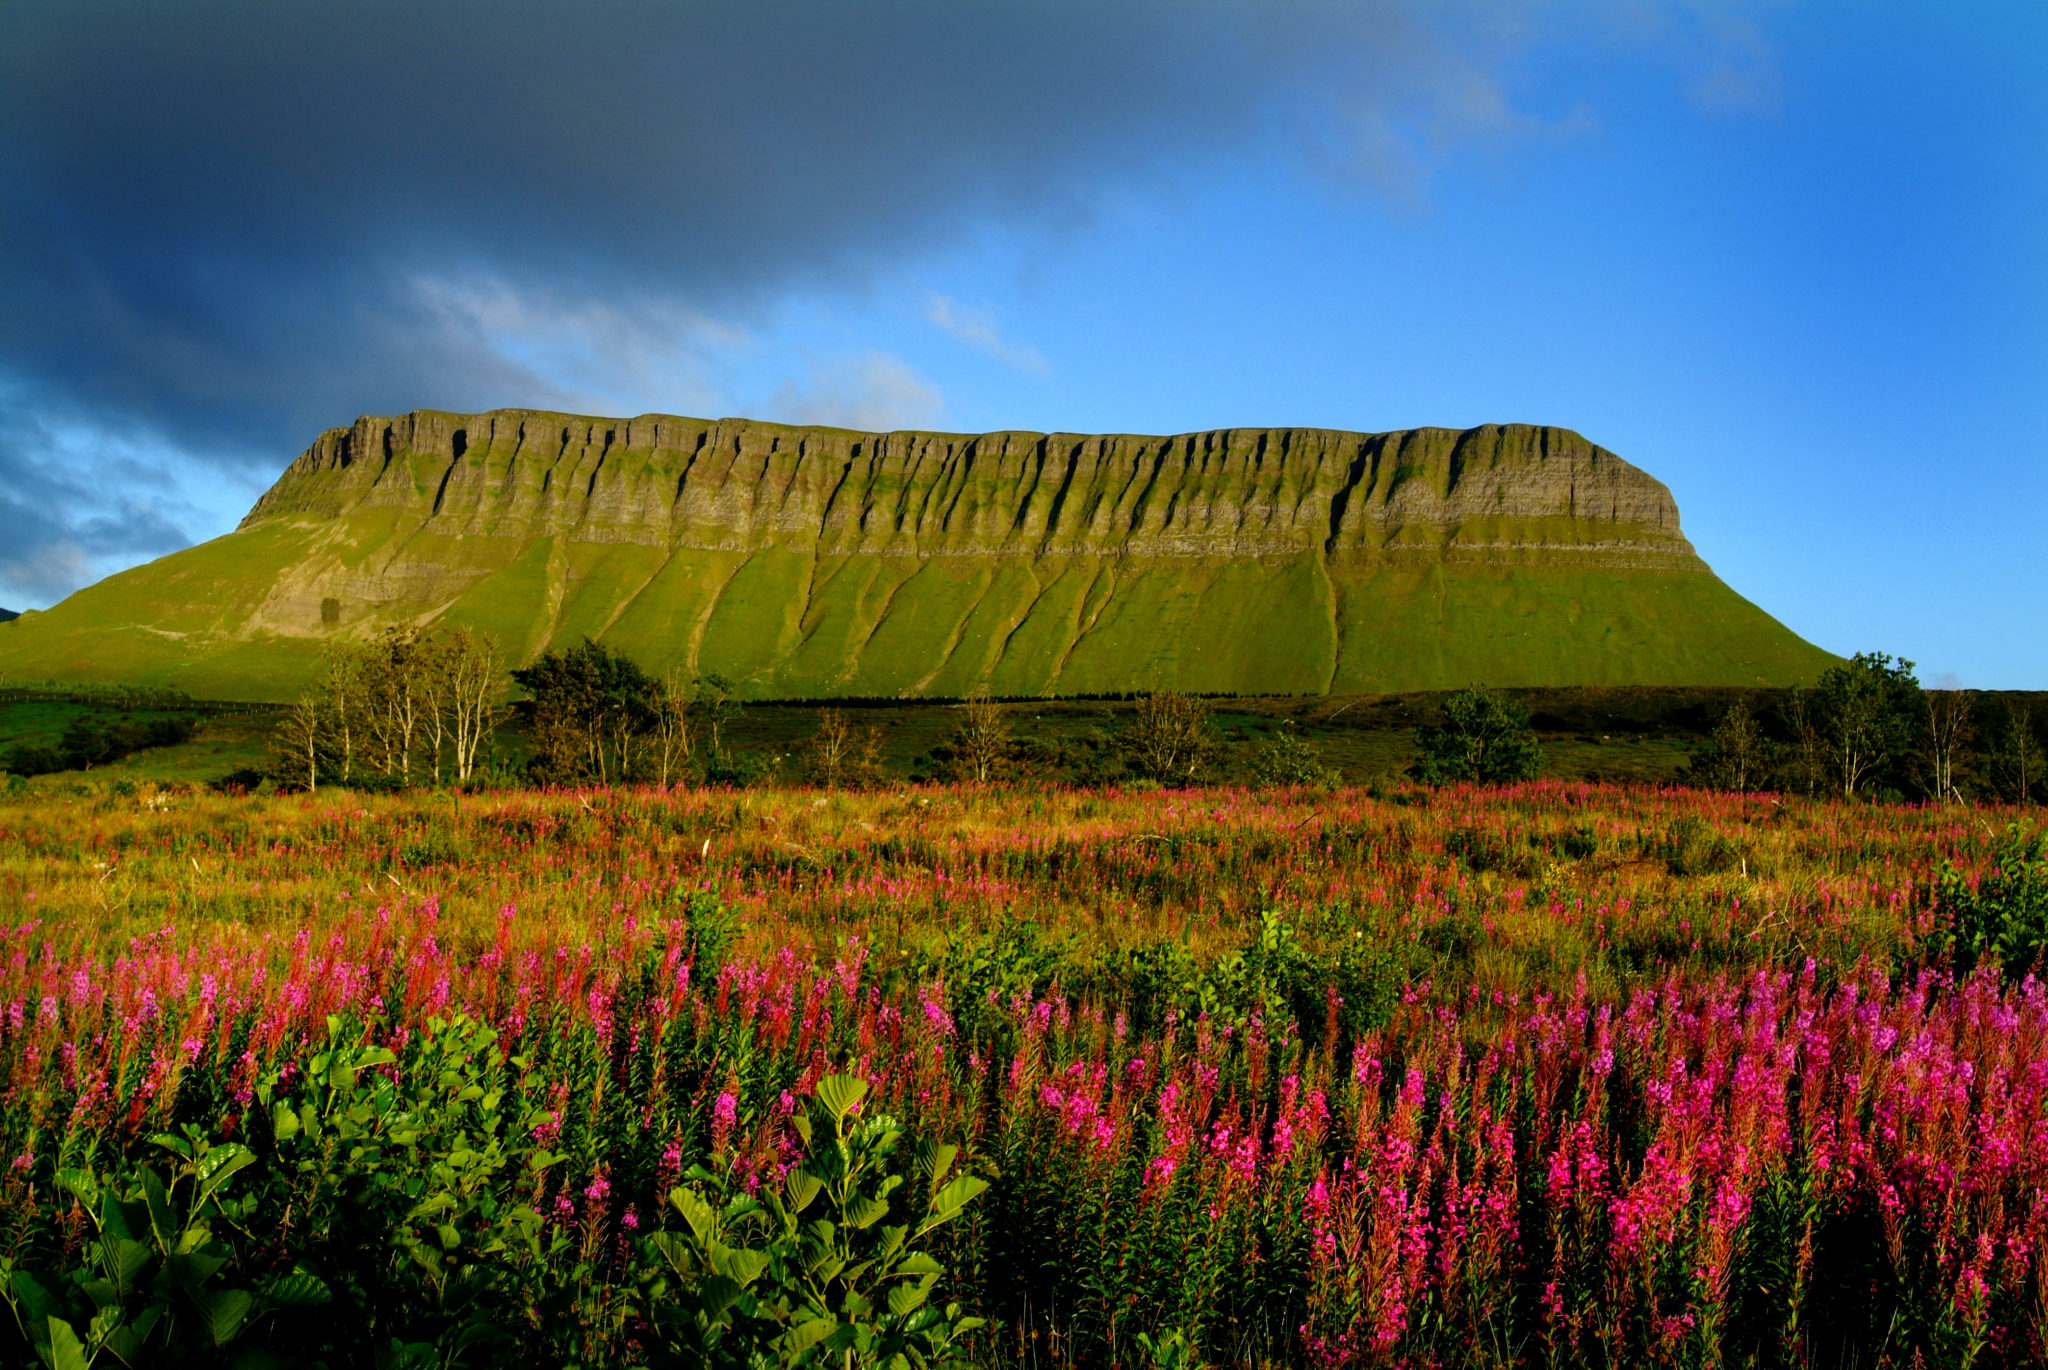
{"points": [[830, 749], [433, 653], [672, 728], [300, 731], [472, 679], [981, 747], [1948, 725]]}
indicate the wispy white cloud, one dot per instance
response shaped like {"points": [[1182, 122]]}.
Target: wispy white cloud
{"points": [[871, 391], [977, 328], [579, 351]]}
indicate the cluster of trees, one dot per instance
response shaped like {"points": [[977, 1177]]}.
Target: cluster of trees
{"points": [[411, 706], [420, 706], [1167, 738], [594, 716], [94, 739], [1868, 728]]}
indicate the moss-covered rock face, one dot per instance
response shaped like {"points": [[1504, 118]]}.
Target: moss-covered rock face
{"points": [[820, 561]]}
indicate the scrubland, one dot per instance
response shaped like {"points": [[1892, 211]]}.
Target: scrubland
{"points": [[1556, 1074]]}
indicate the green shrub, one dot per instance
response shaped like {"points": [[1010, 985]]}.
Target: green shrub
{"points": [[1481, 738], [2005, 918], [1284, 759], [1693, 846], [826, 1270], [714, 929], [154, 1285]]}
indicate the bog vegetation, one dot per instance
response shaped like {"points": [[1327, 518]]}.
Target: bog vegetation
{"points": [[645, 1048]]}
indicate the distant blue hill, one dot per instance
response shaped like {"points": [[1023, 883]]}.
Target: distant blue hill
{"points": [[6, 614]]}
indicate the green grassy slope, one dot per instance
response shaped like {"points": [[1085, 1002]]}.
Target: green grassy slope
{"points": [[812, 563]]}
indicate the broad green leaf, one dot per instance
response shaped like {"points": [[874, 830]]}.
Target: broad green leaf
{"points": [[127, 1220], [801, 1187], [701, 1217], [36, 1300], [841, 1094], [191, 1269], [918, 1263], [865, 1212], [743, 1264], [907, 1298], [719, 1292], [804, 1336], [84, 1185], [299, 1289], [952, 1197], [163, 1219], [673, 1249], [217, 1165], [129, 1342], [64, 1351], [934, 1159], [103, 1323], [284, 1121]]}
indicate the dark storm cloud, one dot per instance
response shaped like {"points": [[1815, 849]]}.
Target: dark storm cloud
{"points": [[229, 225], [218, 216]]}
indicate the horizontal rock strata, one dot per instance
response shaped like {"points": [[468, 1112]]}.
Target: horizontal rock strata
{"points": [[820, 562]]}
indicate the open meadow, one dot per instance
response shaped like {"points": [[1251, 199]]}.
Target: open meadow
{"points": [[1544, 1075]]}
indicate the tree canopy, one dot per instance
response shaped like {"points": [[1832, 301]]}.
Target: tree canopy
{"points": [[1481, 738]]}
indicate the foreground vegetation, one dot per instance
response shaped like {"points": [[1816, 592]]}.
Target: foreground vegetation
{"points": [[1546, 1075]]}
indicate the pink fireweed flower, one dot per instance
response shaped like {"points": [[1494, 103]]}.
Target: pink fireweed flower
{"points": [[724, 1115], [671, 1167]]}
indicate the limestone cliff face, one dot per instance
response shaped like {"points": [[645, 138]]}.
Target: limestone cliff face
{"points": [[819, 562], [663, 481]]}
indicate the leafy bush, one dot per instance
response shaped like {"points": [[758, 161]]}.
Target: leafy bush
{"points": [[94, 740], [2003, 919], [1866, 712], [984, 972], [1284, 759], [829, 1278], [145, 1287], [36, 758], [739, 770], [402, 1187], [1168, 739], [1693, 846], [713, 928], [1481, 738]]}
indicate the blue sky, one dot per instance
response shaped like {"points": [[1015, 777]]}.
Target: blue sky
{"points": [[1788, 258]]}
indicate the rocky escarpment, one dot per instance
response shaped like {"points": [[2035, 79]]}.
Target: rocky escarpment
{"points": [[816, 561], [663, 481]]}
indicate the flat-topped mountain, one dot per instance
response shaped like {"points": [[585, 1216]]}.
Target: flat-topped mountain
{"points": [[819, 561]]}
